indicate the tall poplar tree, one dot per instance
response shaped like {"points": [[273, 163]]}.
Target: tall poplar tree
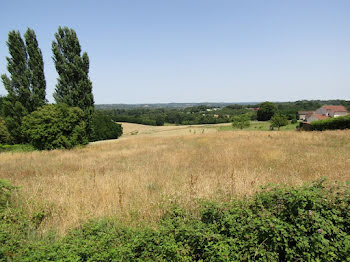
{"points": [[17, 86], [35, 71], [26, 85], [74, 87]]}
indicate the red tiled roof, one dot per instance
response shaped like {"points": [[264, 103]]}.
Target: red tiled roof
{"points": [[319, 116], [335, 108]]}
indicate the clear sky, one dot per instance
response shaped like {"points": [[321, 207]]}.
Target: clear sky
{"points": [[151, 51]]}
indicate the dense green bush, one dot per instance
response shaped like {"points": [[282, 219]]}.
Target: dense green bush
{"points": [[55, 126], [309, 223], [103, 127], [241, 121], [342, 122]]}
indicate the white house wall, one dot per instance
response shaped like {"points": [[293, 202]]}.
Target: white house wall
{"points": [[336, 114]]}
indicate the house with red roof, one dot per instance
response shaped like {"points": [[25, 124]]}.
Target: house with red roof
{"points": [[324, 112], [316, 117], [303, 114], [332, 111]]}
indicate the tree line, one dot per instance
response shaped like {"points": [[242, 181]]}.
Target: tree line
{"points": [[28, 118], [204, 114]]}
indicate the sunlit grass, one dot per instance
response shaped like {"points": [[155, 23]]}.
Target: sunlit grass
{"points": [[132, 178]]}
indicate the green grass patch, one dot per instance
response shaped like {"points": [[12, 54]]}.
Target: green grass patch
{"points": [[17, 148], [259, 126]]}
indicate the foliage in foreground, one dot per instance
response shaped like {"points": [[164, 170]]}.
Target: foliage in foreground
{"points": [[55, 126], [342, 122], [309, 223]]}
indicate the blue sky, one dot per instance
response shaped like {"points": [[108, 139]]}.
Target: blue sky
{"points": [[196, 50]]}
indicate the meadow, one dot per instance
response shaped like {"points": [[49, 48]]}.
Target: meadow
{"points": [[135, 177]]}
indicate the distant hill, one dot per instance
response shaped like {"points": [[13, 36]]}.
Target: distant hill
{"points": [[169, 105], [296, 105]]}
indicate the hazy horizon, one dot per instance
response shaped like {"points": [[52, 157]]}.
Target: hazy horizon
{"points": [[217, 102], [146, 52]]}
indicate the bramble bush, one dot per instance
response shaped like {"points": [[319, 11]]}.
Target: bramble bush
{"points": [[342, 122], [55, 126], [308, 223]]}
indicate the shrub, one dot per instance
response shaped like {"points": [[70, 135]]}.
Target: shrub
{"points": [[342, 122], [241, 121], [5, 192], [103, 127], [14, 227], [308, 223], [55, 126]]}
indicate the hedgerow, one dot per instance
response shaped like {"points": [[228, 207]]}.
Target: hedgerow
{"points": [[342, 122], [308, 223]]}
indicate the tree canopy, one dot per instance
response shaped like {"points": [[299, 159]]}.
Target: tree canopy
{"points": [[74, 87], [35, 68], [26, 84], [266, 111], [279, 120]]}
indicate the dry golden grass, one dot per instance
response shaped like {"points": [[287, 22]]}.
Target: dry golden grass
{"points": [[130, 129], [133, 177]]}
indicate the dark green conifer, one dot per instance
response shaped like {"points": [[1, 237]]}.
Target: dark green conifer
{"points": [[17, 86]]}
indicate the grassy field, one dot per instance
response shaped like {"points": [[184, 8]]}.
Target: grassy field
{"points": [[134, 177], [259, 126], [130, 129], [136, 129]]}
